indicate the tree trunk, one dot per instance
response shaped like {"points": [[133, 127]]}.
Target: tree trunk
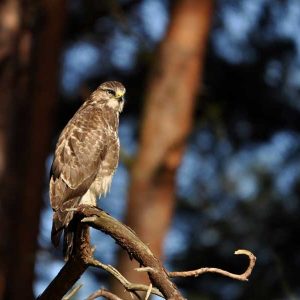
{"points": [[11, 19], [170, 101], [29, 98]]}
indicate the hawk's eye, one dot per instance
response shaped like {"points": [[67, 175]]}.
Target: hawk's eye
{"points": [[111, 92]]}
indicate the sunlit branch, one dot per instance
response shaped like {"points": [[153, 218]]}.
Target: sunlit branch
{"points": [[129, 241], [73, 291], [83, 258], [241, 277]]}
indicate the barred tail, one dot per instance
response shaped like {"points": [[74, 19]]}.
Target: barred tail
{"points": [[69, 240], [63, 221]]}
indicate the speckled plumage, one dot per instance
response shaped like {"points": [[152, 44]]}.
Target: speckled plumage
{"points": [[86, 157]]}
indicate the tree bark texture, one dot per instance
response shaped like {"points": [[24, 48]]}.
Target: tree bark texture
{"points": [[170, 100], [28, 71]]}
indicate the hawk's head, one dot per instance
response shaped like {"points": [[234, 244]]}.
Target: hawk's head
{"points": [[111, 93]]}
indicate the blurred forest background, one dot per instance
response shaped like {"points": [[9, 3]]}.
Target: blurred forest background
{"points": [[210, 136]]}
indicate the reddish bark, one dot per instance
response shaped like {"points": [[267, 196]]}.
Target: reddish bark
{"points": [[44, 98], [10, 35], [170, 101]]}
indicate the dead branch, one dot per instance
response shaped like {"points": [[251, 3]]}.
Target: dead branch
{"points": [[129, 241], [82, 258], [241, 277]]}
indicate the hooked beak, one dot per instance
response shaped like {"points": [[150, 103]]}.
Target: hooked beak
{"points": [[119, 94], [121, 99]]}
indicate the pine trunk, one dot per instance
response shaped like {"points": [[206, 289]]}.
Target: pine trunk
{"points": [[170, 100]]}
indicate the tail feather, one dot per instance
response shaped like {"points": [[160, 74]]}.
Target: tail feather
{"points": [[69, 241], [63, 222]]}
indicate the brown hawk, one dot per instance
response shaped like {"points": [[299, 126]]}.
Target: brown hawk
{"points": [[85, 159]]}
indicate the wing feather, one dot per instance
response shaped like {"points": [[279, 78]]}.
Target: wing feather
{"points": [[80, 149]]}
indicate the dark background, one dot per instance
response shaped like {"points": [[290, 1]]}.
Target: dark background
{"points": [[238, 183]]}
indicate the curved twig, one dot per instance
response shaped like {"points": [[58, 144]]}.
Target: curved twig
{"points": [[103, 293], [241, 277]]}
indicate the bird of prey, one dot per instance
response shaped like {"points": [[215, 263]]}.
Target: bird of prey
{"points": [[85, 159]]}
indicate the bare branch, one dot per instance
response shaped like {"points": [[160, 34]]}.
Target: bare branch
{"points": [[103, 293], [129, 241], [241, 277], [130, 287], [82, 258]]}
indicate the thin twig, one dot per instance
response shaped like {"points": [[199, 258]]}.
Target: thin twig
{"points": [[130, 287], [148, 292], [73, 291], [241, 277], [103, 293]]}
